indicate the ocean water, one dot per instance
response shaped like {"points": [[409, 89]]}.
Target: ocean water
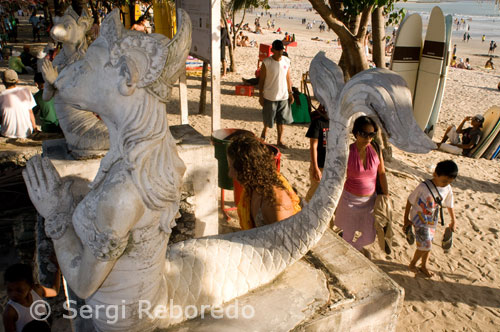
{"points": [[482, 16], [469, 8]]}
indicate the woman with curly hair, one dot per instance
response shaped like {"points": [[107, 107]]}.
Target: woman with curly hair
{"points": [[267, 197]]}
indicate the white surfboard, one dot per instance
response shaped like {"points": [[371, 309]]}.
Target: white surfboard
{"points": [[407, 48], [431, 65], [431, 124]]}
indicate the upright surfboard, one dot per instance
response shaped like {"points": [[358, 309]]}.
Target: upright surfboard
{"points": [[431, 66], [493, 148], [431, 124], [407, 47], [496, 154], [491, 125]]}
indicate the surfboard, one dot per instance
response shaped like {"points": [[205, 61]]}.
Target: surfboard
{"points": [[431, 124], [494, 146], [429, 70], [497, 153], [489, 140], [490, 125], [407, 47]]}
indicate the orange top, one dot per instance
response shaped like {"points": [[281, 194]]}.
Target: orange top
{"points": [[244, 213]]}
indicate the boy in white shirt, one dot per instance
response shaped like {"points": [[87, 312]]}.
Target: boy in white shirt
{"points": [[422, 211]]}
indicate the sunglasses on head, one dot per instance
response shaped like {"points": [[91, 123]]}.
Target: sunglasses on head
{"points": [[365, 134]]}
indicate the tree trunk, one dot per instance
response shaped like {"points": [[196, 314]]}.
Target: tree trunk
{"points": [[203, 92], [378, 34], [353, 54], [232, 65], [131, 9]]}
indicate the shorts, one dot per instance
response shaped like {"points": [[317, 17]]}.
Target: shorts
{"points": [[424, 236], [454, 138], [276, 111]]}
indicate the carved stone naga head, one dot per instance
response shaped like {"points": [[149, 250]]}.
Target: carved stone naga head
{"points": [[130, 59], [71, 27]]}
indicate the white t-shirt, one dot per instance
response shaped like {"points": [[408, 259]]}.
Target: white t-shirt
{"points": [[15, 106], [424, 210], [275, 85]]}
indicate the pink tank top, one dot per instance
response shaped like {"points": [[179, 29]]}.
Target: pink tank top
{"points": [[361, 181]]}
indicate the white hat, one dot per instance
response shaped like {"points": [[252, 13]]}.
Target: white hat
{"points": [[41, 55]]}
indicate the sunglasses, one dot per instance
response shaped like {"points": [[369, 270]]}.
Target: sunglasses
{"points": [[364, 134]]}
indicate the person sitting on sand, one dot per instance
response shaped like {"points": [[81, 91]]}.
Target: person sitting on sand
{"points": [[489, 64], [422, 212], [267, 197], [470, 136], [239, 38], [140, 25], [467, 64], [258, 29], [453, 62], [461, 64]]}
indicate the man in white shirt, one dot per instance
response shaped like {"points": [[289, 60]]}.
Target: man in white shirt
{"points": [[275, 92], [16, 104]]}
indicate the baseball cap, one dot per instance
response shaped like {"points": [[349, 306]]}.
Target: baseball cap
{"points": [[278, 45], [10, 76], [479, 118]]}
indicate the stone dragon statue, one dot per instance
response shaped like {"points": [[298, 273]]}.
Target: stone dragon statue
{"points": [[112, 246], [86, 135]]}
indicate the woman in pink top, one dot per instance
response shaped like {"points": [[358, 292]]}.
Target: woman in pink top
{"points": [[355, 209]]}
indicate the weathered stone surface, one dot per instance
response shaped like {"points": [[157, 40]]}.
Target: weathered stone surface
{"points": [[112, 244], [86, 135]]}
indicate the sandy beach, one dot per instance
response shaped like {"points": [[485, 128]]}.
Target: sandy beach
{"points": [[464, 293]]}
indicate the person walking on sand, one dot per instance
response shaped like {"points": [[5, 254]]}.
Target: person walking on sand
{"points": [[275, 92], [422, 212]]}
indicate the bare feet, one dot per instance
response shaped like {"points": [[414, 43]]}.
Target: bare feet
{"points": [[426, 272], [412, 268]]}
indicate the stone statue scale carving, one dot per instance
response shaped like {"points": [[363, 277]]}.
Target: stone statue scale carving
{"points": [[112, 246]]}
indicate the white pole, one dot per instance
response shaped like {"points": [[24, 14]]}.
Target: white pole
{"points": [[215, 64]]}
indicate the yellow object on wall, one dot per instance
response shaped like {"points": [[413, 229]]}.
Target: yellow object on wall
{"points": [[164, 17], [138, 12]]}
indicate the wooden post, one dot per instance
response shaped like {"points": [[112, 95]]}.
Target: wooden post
{"points": [[203, 93], [183, 98], [215, 63]]}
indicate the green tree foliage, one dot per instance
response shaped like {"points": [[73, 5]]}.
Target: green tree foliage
{"points": [[349, 20]]}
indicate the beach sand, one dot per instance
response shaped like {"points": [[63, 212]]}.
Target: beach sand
{"points": [[463, 295]]}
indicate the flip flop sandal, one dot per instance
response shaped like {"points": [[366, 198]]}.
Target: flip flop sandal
{"points": [[410, 237], [447, 239]]}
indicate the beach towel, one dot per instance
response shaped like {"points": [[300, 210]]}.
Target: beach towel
{"points": [[300, 109]]}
